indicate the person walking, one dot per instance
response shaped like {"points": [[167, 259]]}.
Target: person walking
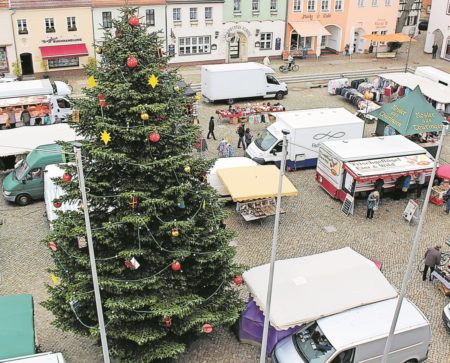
{"points": [[372, 203], [432, 258], [347, 49], [248, 137], [211, 128], [241, 133], [420, 180], [25, 116], [12, 118], [434, 50], [447, 202]]}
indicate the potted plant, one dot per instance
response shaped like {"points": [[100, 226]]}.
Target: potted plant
{"points": [[17, 70]]}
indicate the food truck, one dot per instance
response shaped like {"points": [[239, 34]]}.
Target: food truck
{"points": [[348, 167]]}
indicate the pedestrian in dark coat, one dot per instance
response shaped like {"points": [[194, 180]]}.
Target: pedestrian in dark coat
{"points": [[434, 50], [211, 128], [432, 258], [248, 137], [372, 203], [241, 133]]}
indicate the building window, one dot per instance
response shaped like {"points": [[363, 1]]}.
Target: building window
{"points": [[387, 2], [338, 5], [255, 5], [22, 25], [374, 3], [237, 6], [71, 24], [150, 17], [361, 3], [311, 5], [297, 6], [176, 13], [3, 60], [273, 5], [193, 14], [49, 25], [107, 19], [325, 6], [412, 20], [194, 45], [266, 41], [374, 43], [208, 13], [63, 62]]}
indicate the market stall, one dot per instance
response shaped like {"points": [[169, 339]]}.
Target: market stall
{"points": [[254, 189], [252, 113], [442, 274], [438, 191]]}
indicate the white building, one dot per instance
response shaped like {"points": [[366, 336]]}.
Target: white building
{"points": [[7, 44], [439, 28], [413, 16], [194, 31]]}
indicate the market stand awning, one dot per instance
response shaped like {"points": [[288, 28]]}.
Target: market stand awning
{"points": [[64, 51], [443, 172], [397, 37], [309, 28], [19, 101], [311, 287], [411, 114], [255, 182], [16, 326]]}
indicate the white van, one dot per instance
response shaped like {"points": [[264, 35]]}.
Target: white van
{"points": [[359, 335], [308, 129], [40, 87], [37, 358], [434, 74], [224, 163]]}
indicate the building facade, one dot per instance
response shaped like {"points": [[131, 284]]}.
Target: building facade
{"points": [[52, 36], [426, 10], [410, 12], [194, 30], [151, 13], [253, 29], [439, 29], [7, 44]]}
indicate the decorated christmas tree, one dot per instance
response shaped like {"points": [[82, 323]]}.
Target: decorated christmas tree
{"points": [[165, 267]]}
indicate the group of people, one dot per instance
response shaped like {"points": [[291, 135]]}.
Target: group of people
{"points": [[25, 118]]}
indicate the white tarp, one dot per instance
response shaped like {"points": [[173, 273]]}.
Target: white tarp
{"points": [[22, 140], [308, 288], [435, 91]]}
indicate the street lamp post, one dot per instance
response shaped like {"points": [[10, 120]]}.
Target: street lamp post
{"points": [[411, 35], [262, 357]]}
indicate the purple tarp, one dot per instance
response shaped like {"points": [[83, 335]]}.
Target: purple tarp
{"points": [[251, 327]]}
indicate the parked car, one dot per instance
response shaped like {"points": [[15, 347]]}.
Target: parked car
{"points": [[423, 25]]}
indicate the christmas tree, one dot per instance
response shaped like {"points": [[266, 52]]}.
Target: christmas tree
{"points": [[164, 263]]}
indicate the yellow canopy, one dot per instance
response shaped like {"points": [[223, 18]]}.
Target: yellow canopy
{"points": [[309, 28], [254, 182], [398, 37]]}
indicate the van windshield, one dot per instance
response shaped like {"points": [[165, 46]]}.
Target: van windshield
{"points": [[312, 345], [21, 170], [265, 140]]}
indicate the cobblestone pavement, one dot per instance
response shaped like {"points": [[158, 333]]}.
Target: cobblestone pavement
{"points": [[387, 237]]}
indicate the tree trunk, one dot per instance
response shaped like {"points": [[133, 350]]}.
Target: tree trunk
{"points": [[404, 15]]}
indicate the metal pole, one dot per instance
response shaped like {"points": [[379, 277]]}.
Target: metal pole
{"points": [[262, 357], [407, 56], [413, 252], [98, 301]]}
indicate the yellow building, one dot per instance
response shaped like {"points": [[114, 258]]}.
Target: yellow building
{"points": [[52, 36]]}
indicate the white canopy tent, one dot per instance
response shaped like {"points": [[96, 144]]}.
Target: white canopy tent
{"points": [[311, 287], [429, 88]]}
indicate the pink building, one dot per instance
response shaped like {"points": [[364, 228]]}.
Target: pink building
{"points": [[327, 26]]}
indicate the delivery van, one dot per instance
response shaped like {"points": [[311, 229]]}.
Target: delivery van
{"points": [[41, 87], [37, 358], [349, 167], [359, 335], [26, 182], [308, 129], [235, 81], [223, 163], [434, 74]]}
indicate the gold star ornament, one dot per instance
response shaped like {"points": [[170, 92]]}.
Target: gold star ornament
{"points": [[153, 80], [91, 82], [105, 137]]}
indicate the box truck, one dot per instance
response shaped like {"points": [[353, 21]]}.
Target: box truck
{"points": [[434, 74], [234, 81], [308, 129], [359, 335], [348, 167]]}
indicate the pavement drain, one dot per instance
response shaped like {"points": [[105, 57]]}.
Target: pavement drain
{"points": [[330, 229]]}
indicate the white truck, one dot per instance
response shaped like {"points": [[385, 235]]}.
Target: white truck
{"points": [[39, 87], [240, 80], [353, 166], [308, 129], [434, 74], [37, 358]]}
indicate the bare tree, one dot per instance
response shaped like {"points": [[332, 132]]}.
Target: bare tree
{"points": [[401, 20]]}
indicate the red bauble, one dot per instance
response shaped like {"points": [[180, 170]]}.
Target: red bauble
{"points": [[57, 204], [66, 177], [53, 246], [154, 136], [168, 321], [238, 280], [132, 61], [207, 328], [176, 266], [133, 20]]}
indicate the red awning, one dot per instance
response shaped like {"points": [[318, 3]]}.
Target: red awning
{"points": [[64, 51]]}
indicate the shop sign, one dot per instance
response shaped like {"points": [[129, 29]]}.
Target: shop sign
{"points": [[230, 32], [391, 165], [381, 23], [59, 40]]}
